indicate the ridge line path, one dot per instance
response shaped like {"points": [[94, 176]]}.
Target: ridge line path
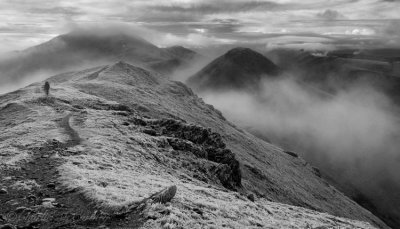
{"points": [[46, 203], [73, 134]]}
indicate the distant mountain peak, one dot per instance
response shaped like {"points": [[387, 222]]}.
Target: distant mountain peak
{"points": [[250, 58], [89, 48], [121, 64], [240, 50], [239, 68]]}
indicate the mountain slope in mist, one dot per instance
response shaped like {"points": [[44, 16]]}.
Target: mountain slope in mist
{"points": [[340, 114], [239, 68], [179, 57], [83, 48], [339, 69], [111, 136]]}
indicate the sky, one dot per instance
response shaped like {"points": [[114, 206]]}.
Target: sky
{"points": [[196, 23]]}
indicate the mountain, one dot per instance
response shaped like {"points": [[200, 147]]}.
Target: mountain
{"points": [[348, 71], [181, 52], [179, 57], [85, 48], [239, 68], [113, 144], [341, 69]]}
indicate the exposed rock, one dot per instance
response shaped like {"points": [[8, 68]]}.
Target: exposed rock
{"points": [[31, 197], [102, 227], [3, 191], [179, 144], [51, 185], [293, 154], [150, 132], [203, 143], [7, 226], [138, 121], [33, 225], [251, 197], [49, 200], [198, 211], [23, 210], [316, 171], [48, 204], [165, 195]]}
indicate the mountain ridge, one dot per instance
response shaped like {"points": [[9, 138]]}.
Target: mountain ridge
{"points": [[133, 144], [85, 48]]}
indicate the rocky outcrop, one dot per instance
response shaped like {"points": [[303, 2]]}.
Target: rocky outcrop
{"points": [[201, 142]]}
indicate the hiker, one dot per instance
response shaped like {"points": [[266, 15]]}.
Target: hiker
{"points": [[46, 88]]}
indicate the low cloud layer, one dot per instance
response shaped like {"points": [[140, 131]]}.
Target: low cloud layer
{"points": [[352, 136], [27, 23]]}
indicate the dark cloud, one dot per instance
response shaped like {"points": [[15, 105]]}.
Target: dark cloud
{"points": [[330, 15], [220, 7], [56, 10]]}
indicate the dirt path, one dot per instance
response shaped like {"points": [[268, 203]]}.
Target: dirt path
{"points": [[45, 203], [74, 138]]}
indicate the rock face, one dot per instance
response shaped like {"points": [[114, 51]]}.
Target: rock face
{"points": [[240, 68], [164, 196], [202, 143]]}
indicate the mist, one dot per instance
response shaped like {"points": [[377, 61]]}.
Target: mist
{"points": [[21, 68], [12, 82], [184, 72], [353, 136]]}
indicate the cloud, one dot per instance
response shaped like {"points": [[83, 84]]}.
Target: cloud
{"points": [[57, 10], [192, 40], [330, 15], [234, 19], [352, 135], [360, 31], [219, 7], [392, 28]]}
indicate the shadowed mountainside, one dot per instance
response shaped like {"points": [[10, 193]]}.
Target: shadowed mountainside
{"points": [[140, 133], [239, 68]]}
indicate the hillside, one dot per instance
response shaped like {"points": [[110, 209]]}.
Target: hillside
{"points": [[82, 49], [181, 57], [109, 137], [239, 68]]}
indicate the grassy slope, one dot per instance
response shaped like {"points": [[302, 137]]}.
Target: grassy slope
{"points": [[118, 164]]}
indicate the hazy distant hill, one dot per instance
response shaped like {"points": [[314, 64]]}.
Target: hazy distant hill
{"points": [[109, 137], [330, 71], [239, 68], [178, 57], [84, 48]]}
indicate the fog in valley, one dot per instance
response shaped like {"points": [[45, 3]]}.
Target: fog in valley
{"points": [[351, 136]]}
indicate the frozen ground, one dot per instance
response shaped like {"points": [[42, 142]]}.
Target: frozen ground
{"points": [[114, 154]]}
